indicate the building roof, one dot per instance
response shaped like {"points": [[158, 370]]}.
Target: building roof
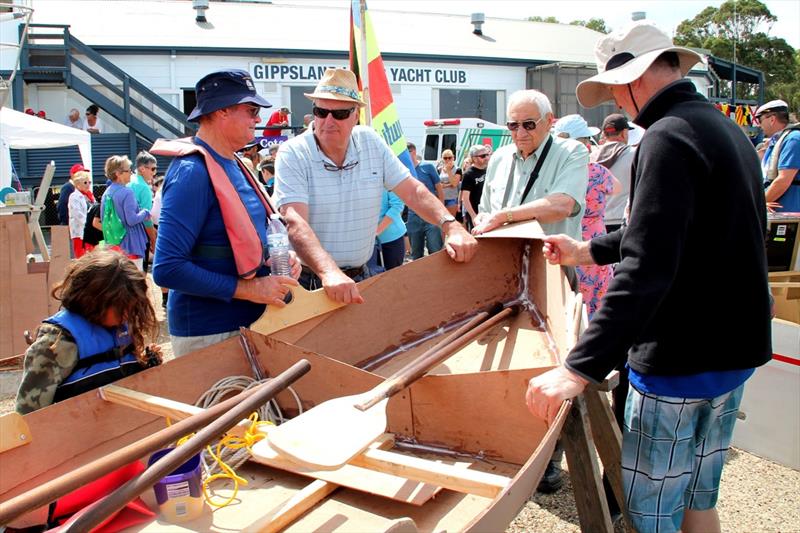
{"points": [[308, 30]]}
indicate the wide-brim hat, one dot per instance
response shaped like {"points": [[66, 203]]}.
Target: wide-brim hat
{"points": [[624, 56], [223, 89], [575, 126], [337, 84]]}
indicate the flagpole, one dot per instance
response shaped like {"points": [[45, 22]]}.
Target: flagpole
{"points": [[363, 64]]}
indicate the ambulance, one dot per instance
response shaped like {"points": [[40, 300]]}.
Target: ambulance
{"points": [[458, 134]]}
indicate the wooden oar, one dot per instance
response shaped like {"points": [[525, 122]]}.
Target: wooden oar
{"points": [[330, 434], [102, 509], [58, 487]]}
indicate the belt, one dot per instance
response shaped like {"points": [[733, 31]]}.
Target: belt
{"points": [[350, 272]]}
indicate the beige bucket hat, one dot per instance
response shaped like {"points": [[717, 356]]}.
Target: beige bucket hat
{"points": [[337, 84], [625, 55]]}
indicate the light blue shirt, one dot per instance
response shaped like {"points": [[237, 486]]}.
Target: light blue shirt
{"points": [[565, 170], [343, 205], [392, 206]]}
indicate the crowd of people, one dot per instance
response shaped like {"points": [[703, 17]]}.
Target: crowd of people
{"points": [[630, 219]]}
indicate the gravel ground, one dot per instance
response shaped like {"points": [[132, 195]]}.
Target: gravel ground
{"points": [[756, 495]]}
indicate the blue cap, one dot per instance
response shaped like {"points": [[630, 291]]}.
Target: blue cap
{"points": [[224, 89]]}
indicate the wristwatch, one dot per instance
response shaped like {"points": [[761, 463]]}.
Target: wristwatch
{"points": [[445, 219]]}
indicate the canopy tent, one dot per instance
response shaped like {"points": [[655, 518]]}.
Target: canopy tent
{"points": [[18, 130]]}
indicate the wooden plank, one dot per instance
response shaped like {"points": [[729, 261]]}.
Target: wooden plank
{"points": [[441, 474], [304, 306], [294, 507], [584, 471], [356, 477], [59, 259], [14, 432], [608, 439]]}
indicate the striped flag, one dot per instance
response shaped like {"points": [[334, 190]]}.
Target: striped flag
{"points": [[383, 113]]}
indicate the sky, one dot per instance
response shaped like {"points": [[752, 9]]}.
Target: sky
{"points": [[617, 13]]}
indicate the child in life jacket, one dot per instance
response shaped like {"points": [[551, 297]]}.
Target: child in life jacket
{"points": [[96, 338]]}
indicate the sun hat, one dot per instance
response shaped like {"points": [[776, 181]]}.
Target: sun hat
{"points": [[625, 55], [337, 84], [222, 89], [575, 127]]}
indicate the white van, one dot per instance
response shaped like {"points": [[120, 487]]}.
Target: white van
{"points": [[458, 134]]}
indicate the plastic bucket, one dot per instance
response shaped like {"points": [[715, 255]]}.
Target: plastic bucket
{"points": [[180, 494]]}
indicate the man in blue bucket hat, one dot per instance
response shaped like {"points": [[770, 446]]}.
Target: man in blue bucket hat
{"points": [[211, 249]]}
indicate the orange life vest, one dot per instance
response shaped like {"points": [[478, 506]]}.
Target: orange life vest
{"points": [[245, 242]]}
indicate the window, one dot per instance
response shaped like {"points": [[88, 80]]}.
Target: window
{"points": [[299, 105], [449, 143], [459, 103], [431, 147]]}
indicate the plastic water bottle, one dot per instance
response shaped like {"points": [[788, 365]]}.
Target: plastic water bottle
{"points": [[278, 243]]}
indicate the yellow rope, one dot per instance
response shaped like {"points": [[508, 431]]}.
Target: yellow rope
{"points": [[251, 436]]}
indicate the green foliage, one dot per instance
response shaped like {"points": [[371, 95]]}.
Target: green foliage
{"points": [[595, 24], [735, 31], [537, 18]]}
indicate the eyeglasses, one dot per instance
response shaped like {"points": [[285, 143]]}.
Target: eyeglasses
{"points": [[126, 170], [338, 114], [482, 156], [762, 116], [529, 124], [152, 169], [336, 168]]}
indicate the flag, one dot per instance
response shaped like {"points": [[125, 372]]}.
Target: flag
{"points": [[381, 107]]}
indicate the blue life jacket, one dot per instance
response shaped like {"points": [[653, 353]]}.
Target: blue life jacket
{"points": [[104, 355]]}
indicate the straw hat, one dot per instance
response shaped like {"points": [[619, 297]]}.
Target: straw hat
{"points": [[625, 55], [337, 84]]}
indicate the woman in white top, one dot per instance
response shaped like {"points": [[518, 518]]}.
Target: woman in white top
{"points": [[78, 206], [450, 176]]}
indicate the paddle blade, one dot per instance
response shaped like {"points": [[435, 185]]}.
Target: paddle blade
{"points": [[330, 434]]}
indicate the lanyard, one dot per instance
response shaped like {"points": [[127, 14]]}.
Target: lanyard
{"points": [[531, 179]]}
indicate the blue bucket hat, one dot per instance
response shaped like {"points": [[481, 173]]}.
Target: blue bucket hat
{"points": [[224, 89]]}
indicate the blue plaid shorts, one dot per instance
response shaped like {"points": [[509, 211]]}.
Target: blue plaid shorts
{"points": [[673, 450]]}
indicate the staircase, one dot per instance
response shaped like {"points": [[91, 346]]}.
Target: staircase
{"points": [[51, 54]]}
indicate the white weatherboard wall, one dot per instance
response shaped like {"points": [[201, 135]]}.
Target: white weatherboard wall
{"points": [[415, 100]]}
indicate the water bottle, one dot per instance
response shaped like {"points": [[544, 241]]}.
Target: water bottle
{"points": [[278, 243]]}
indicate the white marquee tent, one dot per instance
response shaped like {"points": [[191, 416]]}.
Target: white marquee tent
{"points": [[18, 130]]}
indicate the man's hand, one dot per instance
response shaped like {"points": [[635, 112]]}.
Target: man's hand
{"points": [[460, 245], [563, 250], [548, 391], [486, 222], [340, 288], [269, 290]]}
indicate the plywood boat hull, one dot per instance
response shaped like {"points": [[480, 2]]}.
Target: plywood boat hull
{"points": [[472, 404]]}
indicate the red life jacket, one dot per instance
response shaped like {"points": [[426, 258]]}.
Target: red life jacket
{"points": [[245, 242]]}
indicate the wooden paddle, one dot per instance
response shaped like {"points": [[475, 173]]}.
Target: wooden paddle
{"points": [[330, 434]]}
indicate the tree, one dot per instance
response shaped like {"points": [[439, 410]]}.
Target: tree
{"points": [[734, 31], [551, 20], [595, 24]]}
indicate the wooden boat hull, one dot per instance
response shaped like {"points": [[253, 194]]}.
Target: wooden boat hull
{"points": [[472, 404]]}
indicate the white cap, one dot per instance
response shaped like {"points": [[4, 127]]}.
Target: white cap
{"points": [[575, 126], [774, 105]]}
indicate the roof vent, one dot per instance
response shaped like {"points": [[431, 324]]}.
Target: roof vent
{"points": [[200, 6], [477, 20], [638, 15]]}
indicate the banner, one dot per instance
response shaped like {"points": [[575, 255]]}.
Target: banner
{"points": [[381, 105]]}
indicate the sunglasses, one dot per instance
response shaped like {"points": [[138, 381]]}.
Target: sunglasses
{"points": [[338, 114], [336, 168], [253, 110], [447, 157], [529, 125], [152, 169], [482, 156]]}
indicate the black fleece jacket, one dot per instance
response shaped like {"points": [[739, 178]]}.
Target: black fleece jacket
{"points": [[690, 293]]}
